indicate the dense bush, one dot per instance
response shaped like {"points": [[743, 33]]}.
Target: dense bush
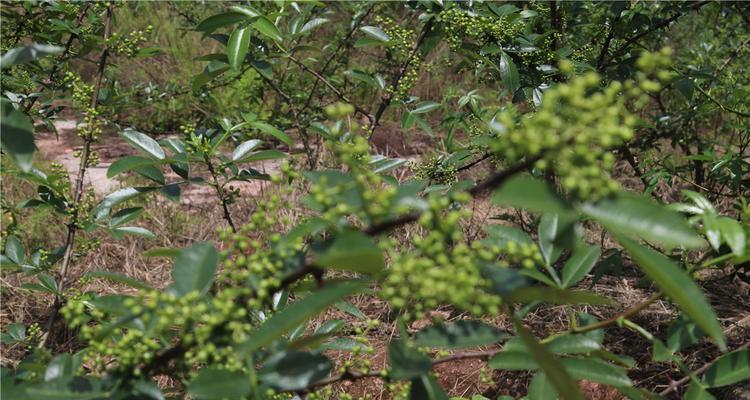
{"points": [[601, 137]]}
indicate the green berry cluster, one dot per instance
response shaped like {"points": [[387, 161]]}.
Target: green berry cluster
{"points": [[440, 269], [401, 39], [407, 81], [91, 128], [128, 44], [461, 25], [572, 132], [435, 169], [526, 255]]}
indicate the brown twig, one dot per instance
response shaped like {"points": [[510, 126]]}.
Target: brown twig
{"points": [[386, 101], [78, 191], [675, 385], [623, 315]]}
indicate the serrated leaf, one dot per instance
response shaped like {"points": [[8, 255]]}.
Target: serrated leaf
{"points": [[15, 250], [350, 251], [529, 193], [129, 163], [459, 334], [508, 73], [17, 137], [143, 143], [244, 148], [638, 216], [266, 27], [273, 131], [119, 278], [213, 383], [296, 313], [579, 264], [375, 33], [237, 46], [676, 284], [194, 269], [406, 362], [217, 21], [728, 369], [312, 24], [425, 107], [294, 370]]}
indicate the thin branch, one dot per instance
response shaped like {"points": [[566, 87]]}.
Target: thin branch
{"points": [[625, 46], [623, 315], [220, 193], [341, 44], [386, 101], [674, 386], [330, 86], [78, 191]]}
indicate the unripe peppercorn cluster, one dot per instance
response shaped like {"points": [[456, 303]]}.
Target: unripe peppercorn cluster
{"points": [[440, 269], [461, 24], [435, 170], [127, 45], [572, 131]]}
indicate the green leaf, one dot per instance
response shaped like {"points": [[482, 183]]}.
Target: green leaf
{"points": [[143, 143], [426, 387], [244, 148], [266, 27], [24, 54], [728, 369], [119, 278], [552, 367], [638, 216], [573, 344], [676, 284], [350, 309], [312, 24], [15, 250], [733, 235], [263, 155], [298, 312], [237, 46], [17, 137], [541, 389], [212, 383], [102, 209], [529, 193], [682, 333], [294, 370], [406, 362], [460, 334], [425, 107], [513, 361], [375, 33], [596, 371], [129, 163], [194, 269], [554, 295], [205, 77], [133, 230], [509, 73], [579, 264], [551, 228], [217, 21], [125, 215], [351, 251], [273, 131], [696, 391], [500, 235]]}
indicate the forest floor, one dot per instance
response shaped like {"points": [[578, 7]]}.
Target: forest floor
{"points": [[730, 298]]}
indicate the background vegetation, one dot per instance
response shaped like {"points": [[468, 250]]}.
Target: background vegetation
{"points": [[332, 200]]}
